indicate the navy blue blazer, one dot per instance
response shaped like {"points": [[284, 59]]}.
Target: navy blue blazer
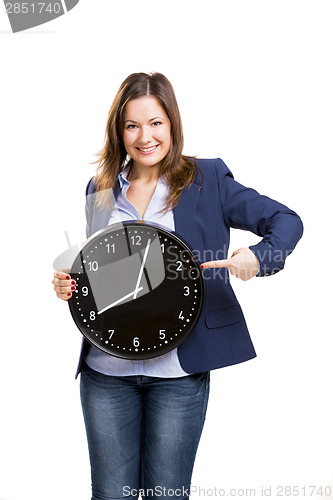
{"points": [[203, 218]]}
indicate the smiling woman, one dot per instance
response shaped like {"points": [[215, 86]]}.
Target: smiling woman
{"points": [[147, 140], [145, 115], [144, 415], [147, 132]]}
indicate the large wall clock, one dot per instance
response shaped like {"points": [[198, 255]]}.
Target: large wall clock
{"points": [[139, 290]]}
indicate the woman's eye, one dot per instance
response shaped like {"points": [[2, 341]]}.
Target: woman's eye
{"points": [[130, 126], [156, 123]]}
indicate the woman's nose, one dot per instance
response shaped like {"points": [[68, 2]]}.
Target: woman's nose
{"points": [[145, 136]]}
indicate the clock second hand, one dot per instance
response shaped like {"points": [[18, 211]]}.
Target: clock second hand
{"points": [[119, 300]]}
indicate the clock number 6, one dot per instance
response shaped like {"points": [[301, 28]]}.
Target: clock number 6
{"points": [[136, 341]]}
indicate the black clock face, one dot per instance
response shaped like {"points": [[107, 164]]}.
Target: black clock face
{"points": [[139, 290]]}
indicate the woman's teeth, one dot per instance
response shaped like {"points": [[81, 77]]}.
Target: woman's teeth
{"points": [[146, 150]]}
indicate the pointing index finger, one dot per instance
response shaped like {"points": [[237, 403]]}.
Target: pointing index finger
{"points": [[216, 263]]}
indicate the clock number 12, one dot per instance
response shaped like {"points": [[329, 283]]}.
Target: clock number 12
{"points": [[136, 240]]}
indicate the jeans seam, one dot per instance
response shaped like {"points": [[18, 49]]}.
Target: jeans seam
{"points": [[204, 408]]}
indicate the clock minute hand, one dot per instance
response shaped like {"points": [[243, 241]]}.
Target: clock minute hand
{"points": [[137, 289], [119, 300]]}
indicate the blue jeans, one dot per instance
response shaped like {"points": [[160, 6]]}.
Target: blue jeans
{"points": [[143, 433]]}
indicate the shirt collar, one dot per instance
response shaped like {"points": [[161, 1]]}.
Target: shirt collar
{"points": [[122, 177]]}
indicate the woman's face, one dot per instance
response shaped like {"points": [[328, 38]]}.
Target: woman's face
{"points": [[147, 131]]}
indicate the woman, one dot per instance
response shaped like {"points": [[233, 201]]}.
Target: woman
{"points": [[144, 418]]}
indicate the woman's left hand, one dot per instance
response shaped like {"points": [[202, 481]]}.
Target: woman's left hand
{"points": [[243, 264]]}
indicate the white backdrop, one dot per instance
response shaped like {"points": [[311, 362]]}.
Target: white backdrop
{"points": [[254, 86]]}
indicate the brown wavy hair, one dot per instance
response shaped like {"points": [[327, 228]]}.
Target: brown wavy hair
{"points": [[178, 169]]}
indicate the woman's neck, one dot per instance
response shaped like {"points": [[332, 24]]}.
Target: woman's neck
{"points": [[143, 173]]}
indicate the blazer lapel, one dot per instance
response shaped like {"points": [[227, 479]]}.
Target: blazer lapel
{"points": [[185, 210]]}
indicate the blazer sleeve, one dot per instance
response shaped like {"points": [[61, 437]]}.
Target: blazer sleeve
{"points": [[244, 208]]}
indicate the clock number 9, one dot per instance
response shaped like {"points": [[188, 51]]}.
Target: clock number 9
{"points": [[85, 291]]}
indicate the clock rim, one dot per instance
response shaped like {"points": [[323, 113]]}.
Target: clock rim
{"points": [[168, 232]]}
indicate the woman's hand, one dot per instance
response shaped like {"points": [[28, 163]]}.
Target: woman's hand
{"points": [[63, 285], [243, 264]]}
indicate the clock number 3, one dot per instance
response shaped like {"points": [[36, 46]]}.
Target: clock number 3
{"points": [[186, 291]]}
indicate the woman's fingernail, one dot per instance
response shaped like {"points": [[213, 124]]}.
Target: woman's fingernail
{"points": [[69, 293], [73, 288], [202, 266], [68, 277], [72, 282]]}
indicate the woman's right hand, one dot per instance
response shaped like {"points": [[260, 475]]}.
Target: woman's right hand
{"points": [[64, 286]]}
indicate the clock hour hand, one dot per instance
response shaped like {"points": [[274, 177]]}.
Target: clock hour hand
{"points": [[137, 289], [120, 300]]}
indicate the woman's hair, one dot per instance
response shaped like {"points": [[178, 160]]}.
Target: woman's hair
{"points": [[179, 170]]}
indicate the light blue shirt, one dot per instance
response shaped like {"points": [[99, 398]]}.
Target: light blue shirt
{"points": [[168, 364]]}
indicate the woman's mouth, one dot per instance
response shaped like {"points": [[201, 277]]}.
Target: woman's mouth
{"points": [[147, 151]]}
